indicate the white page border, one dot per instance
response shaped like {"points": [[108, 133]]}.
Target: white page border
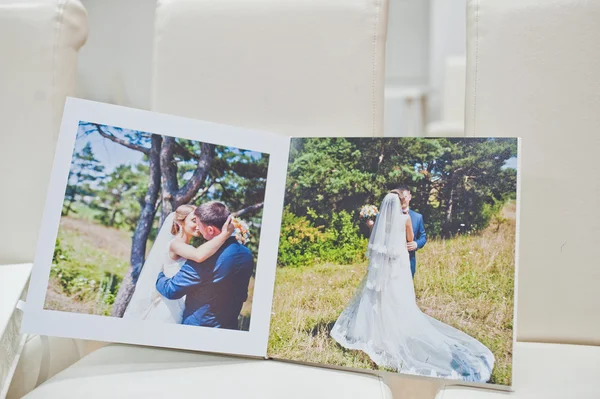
{"points": [[38, 320]]}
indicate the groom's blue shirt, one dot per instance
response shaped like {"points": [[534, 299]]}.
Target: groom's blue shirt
{"points": [[215, 289], [419, 229]]}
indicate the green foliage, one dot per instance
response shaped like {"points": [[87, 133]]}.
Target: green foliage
{"points": [[85, 169], [238, 177], [84, 281], [303, 243], [325, 174], [345, 244], [458, 185], [120, 195]]}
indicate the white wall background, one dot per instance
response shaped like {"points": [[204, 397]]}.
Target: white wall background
{"points": [[115, 65]]}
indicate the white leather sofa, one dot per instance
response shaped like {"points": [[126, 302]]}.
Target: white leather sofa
{"points": [[452, 122], [39, 42], [532, 71], [302, 68]]}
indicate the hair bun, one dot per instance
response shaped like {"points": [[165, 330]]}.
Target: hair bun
{"points": [[175, 228]]}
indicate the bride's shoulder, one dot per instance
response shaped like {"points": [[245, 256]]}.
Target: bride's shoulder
{"points": [[172, 248]]}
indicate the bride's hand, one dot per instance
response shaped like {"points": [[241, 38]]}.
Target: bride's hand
{"points": [[228, 227]]}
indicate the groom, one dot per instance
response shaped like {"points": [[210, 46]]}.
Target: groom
{"points": [[215, 289], [417, 225]]}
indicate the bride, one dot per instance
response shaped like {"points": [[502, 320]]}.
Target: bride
{"points": [[383, 319], [170, 251]]}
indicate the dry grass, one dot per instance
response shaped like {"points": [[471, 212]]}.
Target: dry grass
{"points": [[56, 299], [117, 241], [467, 282]]}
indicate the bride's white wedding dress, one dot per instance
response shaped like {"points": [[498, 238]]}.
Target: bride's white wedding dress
{"points": [[147, 303], [162, 309], [384, 321]]}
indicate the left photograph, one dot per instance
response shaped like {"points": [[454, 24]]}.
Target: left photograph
{"points": [[158, 228]]}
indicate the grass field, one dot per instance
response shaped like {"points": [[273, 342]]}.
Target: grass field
{"points": [[94, 257], [467, 282]]}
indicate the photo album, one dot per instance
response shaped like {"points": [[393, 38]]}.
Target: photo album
{"points": [[373, 254]]}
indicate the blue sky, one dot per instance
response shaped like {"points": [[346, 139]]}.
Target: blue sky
{"points": [[511, 163], [111, 154]]}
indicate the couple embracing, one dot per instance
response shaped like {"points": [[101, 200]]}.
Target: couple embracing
{"points": [[202, 286], [383, 319]]}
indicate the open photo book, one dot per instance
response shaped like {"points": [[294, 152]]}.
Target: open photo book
{"points": [[374, 254]]}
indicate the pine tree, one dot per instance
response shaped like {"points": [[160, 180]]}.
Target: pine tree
{"points": [[457, 184], [85, 169], [121, 195]]}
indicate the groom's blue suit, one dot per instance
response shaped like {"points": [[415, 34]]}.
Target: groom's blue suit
{"points": [[420, 237], [215, 289]]}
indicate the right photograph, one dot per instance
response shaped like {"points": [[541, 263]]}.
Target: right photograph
{"points": [[398, 254]]}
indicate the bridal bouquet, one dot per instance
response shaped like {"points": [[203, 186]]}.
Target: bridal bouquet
{"points": [[368, 212], [241, 231]]}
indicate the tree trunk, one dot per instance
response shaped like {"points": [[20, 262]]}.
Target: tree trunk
{"points": [[449, 210], [142, 230], [168, 171], [111, 223], [68, 210], [186, 193], [450, 206], [74, 193]]}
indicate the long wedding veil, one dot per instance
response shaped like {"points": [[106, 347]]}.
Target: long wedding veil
{"points": [[145, 288], [385, 244]]}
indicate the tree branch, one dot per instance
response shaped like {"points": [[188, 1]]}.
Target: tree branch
{"points": [[201, 193], [183, 152], [191, 187], [250, 209], [381, 155], [223, 188], [118, 140]]}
